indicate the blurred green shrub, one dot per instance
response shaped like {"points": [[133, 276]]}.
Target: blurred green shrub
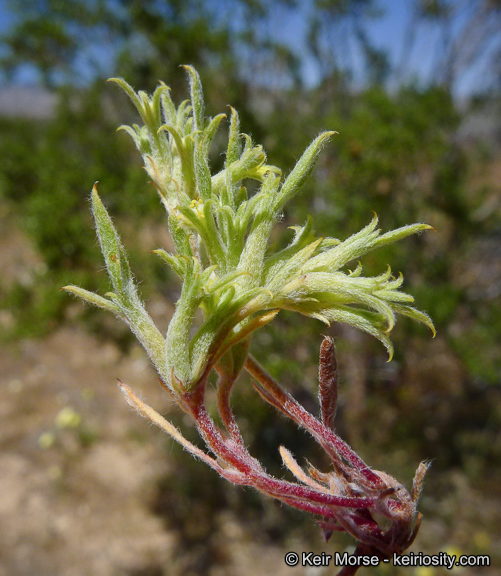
{"points": [[47, 169]]}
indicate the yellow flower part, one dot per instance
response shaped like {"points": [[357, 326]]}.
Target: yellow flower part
{"points": [[198, 206]]}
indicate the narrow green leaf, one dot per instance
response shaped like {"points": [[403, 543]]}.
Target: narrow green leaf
{"points": [[234, 149], [197, 98], [148, 335], [393, 296], [202, 174], [154, 110], [280, 274], [209, 133], [139, 136], [399, 234], [175, 135], [183, 118], [213, 241], [358, 319], [252, 259], [224, 281], [247, 329], [111, 247], [187, 186], [350, 249], [178, 334], [302, 170], [177, 263], [168, 108], [93, 299], [180, 236], [417, 315], [127, 88], [230, 311]]}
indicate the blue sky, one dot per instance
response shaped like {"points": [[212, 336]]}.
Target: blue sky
{"points": [[387, 32]]}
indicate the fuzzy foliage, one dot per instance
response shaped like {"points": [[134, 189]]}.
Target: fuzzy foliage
{"points": [[231, 273]]}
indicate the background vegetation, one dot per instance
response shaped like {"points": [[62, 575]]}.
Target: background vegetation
{"points": [[410, 147]]}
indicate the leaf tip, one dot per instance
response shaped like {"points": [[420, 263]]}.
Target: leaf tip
{"points": [[127, 392]]}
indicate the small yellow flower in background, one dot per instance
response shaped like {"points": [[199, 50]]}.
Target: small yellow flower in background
{"points": [[68, 418], [46, 440]]}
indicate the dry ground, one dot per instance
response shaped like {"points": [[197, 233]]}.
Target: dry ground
{"points": [[79, 469]]}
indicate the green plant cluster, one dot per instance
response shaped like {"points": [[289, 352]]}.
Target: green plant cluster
{"points": [[396, 148], [223, 254]]}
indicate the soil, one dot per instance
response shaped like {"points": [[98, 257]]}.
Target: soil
{"points": [[79, 470]]}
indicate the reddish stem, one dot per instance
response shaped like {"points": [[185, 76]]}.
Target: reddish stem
{"points": [[224, 387], [256, 476], [325, 436]]}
